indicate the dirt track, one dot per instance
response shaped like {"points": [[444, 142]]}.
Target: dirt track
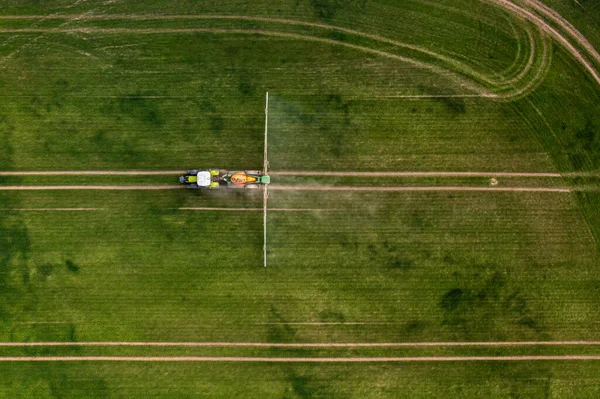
{"points": [[420, 188], [302, 188], [450, 61], [90, 172], [524, 13], [566, 25], [470, 85], [51, 209], [409, 173], [280, 173], [306, 345], [291, 359], [521, 12], [256, 209], [30, 188], [539, 21]]}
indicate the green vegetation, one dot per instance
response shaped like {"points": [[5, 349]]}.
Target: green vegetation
{"points": [[352, 89], [304, 381]]}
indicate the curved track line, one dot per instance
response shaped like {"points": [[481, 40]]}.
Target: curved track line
{"points": [[420, 188], [542, 71], [528, 15], [452, 64], [451, 75], [515, 66], [305, 345], [83, 17], [566, 25], [291, 359]]}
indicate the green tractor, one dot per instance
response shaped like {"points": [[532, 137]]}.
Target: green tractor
{"points": [[216, 178]]}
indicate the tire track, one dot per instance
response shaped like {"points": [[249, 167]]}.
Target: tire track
{"points": [[452, 64], [52, 209], [295, 359], [285, 173], [256, 209], [539, 21], [463, 68], [451, 75], [566, 25], [409, 173], [420, 188], [91, 172], [302, 188], [306, 345], [32, 188]]}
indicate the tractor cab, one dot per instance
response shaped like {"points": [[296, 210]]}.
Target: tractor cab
{"points": [[201, 178]]}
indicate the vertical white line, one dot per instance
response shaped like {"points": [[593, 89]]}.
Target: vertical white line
{"points": [[266, 161], [265, 190], [265, 196]]}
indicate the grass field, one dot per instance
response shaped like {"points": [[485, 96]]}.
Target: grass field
{"points": [[471, 90]]}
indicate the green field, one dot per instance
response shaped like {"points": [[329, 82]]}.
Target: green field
{"points": [[357, 86]]}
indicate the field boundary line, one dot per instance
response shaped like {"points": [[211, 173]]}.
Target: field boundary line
{"points": [[293, 359], [304, 345]]}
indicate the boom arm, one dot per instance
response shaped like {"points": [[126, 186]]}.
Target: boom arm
{"points": [[266, 187]]}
